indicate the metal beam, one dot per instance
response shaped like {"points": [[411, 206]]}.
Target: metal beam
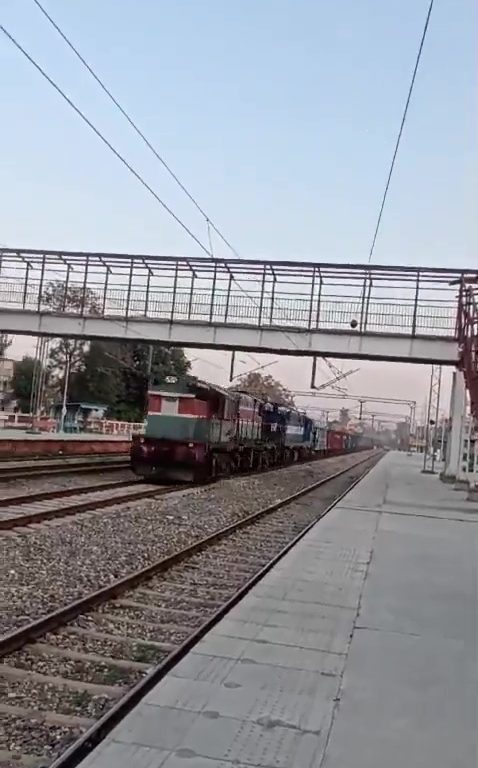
{"points": [[431, 350]]}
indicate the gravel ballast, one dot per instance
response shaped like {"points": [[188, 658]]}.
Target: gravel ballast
{"points": [[45, 567], [38, 738]]}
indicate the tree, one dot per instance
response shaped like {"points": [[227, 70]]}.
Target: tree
{"points": [[116, 374], [4, 343], [22, 381], [113, 373], [267, 387], [58, 297], [99, 380], [142, 364]]}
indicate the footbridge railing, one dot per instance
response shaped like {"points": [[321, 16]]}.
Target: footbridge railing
{"points": [[364, 299]]}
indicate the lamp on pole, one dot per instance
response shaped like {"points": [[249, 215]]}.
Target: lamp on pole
{"points": [[38, 384], [65, 391]]}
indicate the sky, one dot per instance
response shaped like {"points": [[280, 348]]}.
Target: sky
{"points": [[280, 116]]}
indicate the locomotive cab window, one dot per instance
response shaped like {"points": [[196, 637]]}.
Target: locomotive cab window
{"points": [[170, 405]]}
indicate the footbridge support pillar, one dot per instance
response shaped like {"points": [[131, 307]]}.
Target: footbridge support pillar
{"points": [[455, 432]]}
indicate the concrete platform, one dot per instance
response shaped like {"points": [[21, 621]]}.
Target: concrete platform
{"points": [[359, 650]]}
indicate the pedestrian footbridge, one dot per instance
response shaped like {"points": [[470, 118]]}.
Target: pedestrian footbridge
{"points": [[284, 307]]}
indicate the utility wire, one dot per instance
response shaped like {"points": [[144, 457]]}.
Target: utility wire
{"points": [[120, 157], [105, 141], [210, 224], [404, 117]]}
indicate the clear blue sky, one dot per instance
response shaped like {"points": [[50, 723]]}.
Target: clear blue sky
{"points": [[280, 115]]}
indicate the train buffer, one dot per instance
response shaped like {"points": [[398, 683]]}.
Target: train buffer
{"points": [[357, 649]]}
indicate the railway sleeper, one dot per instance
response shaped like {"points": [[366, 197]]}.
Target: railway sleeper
{"points": [[148, 630], [177, 599], [132, 648], [181, 588]]}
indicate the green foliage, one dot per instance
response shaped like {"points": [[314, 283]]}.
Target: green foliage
{"points": [[22, 381], [116, 374], [113, 373], [266, 387], [58, 297]]}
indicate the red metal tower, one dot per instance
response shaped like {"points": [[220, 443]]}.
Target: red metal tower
{"points": [[467, 332]]}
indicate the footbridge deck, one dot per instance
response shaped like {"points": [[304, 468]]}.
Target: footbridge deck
{"points": [[301, 308]]}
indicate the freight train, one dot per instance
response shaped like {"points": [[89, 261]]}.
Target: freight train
{"points": [[197, 431]]}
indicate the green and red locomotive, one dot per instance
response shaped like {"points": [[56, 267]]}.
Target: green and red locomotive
{"points": [[196, 431]]}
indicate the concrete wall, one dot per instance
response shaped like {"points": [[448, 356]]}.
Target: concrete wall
{"points": [[58, 447]]}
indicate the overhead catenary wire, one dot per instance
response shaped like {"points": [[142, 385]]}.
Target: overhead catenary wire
{"points": [[105, 141], [400, 132], [108, 144], [210, 224], [123, 160], [115, 151]]}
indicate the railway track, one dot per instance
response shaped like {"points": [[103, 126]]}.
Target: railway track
{"points": [[72, 675], [21, 470], [31, 508], [18, 511]]}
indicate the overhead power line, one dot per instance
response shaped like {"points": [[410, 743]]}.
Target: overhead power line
{"points": [[210, 224], [138, 131], [402, 124], [105, 141], [114, 100], [120, 157], [115, 152]]}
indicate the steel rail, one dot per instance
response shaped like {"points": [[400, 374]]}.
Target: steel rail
{"points": [[7, 473], [18, 521], [32, 498], [43, 515]]}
